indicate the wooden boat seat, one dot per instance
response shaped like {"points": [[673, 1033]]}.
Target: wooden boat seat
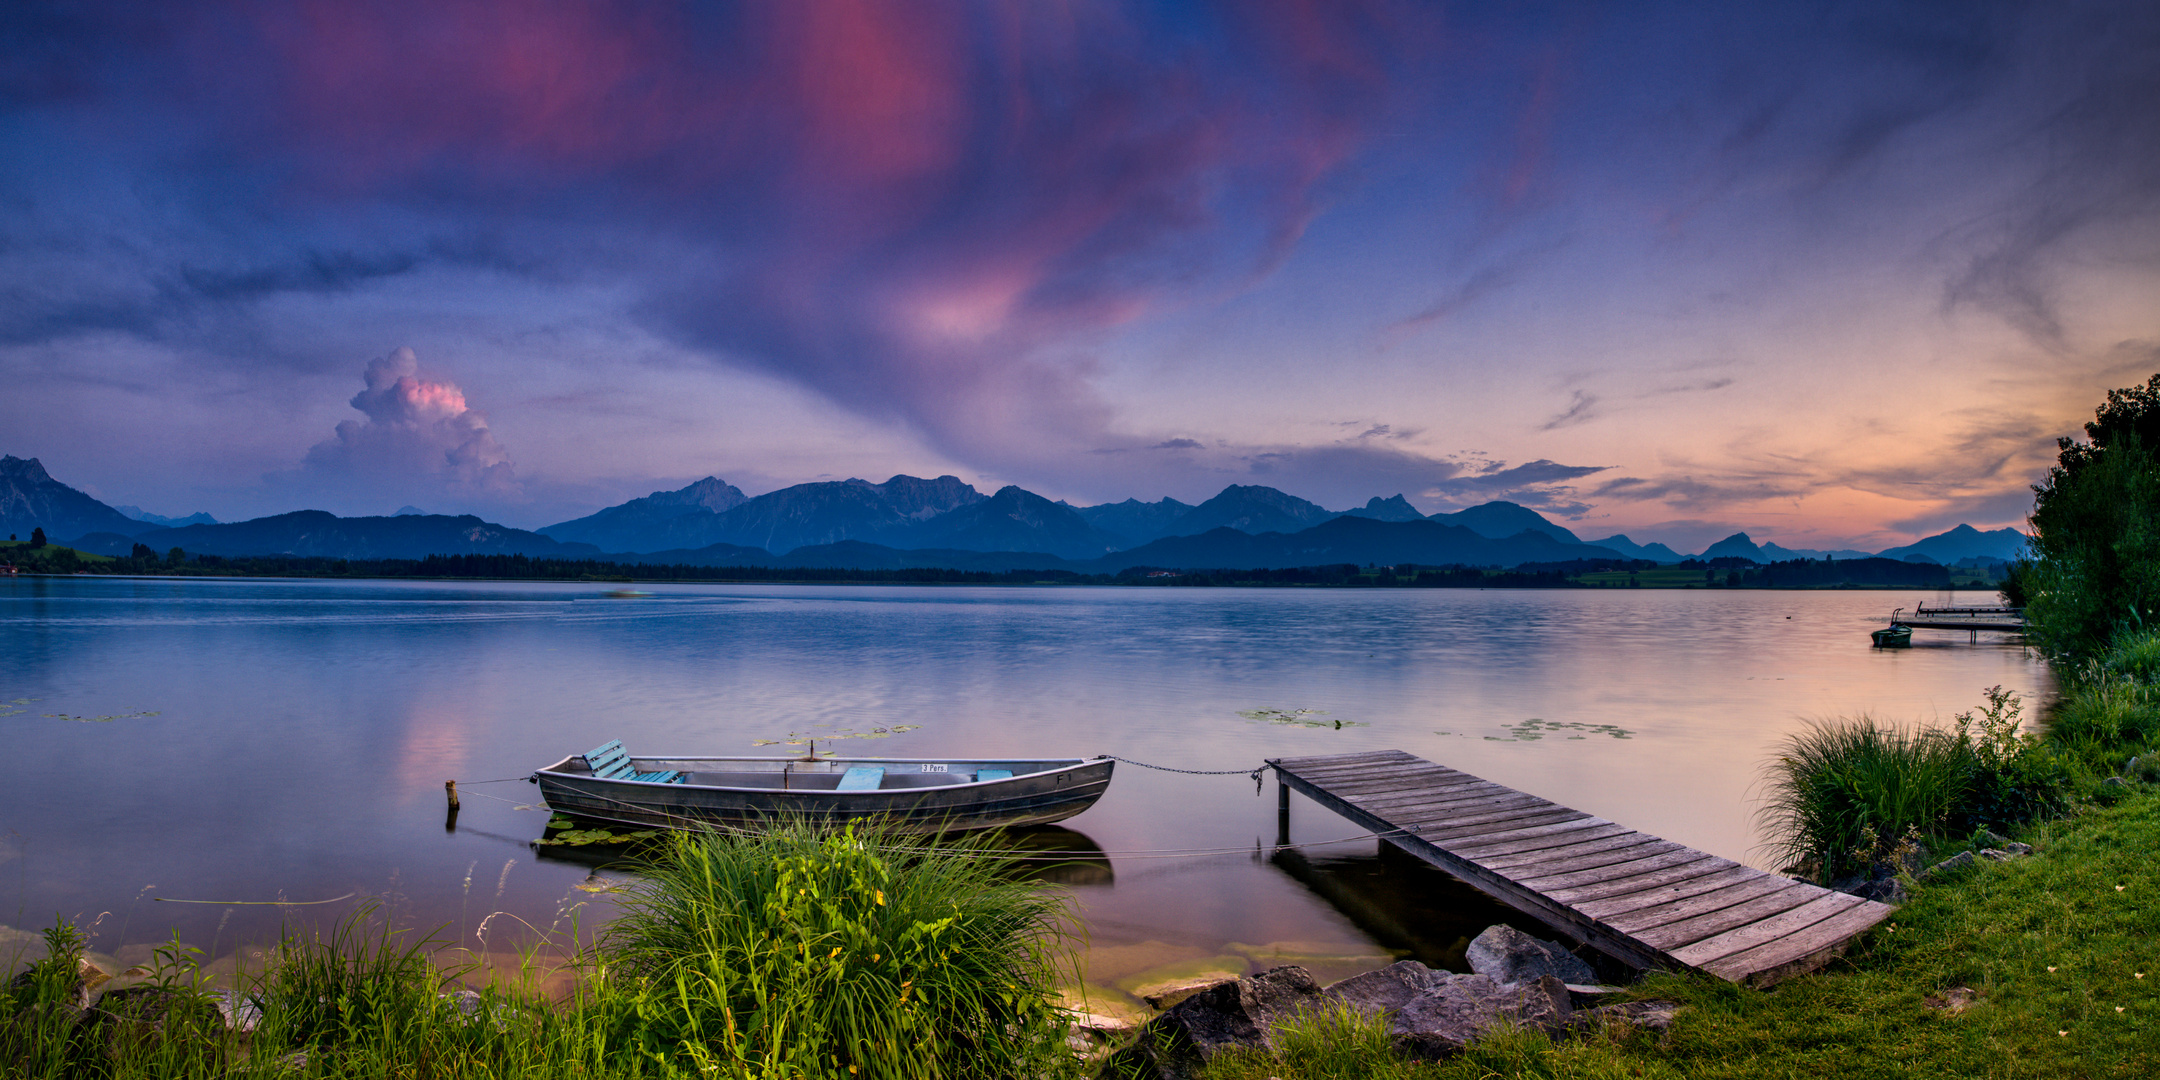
{"points": [[611, 761], [993, 774], [862, 778]]}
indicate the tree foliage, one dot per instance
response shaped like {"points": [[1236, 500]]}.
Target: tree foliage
{"points": [[2096, 530]]}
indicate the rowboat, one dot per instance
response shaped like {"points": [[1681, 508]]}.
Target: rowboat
{"points": [[1893, 636], [914, 794]]}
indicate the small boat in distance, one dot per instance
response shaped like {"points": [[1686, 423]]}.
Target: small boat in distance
{"points": [[1896, 635], [917, 794]]}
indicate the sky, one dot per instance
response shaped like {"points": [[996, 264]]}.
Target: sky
{"points": [[1834, 274]]}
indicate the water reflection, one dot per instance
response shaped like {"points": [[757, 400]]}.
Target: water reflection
{"points": [[304, 731]]}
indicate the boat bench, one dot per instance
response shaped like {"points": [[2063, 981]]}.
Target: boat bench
{"points": [[611, 762]]}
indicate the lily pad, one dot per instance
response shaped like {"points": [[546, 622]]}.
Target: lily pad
{"points": [[1295, 718], [1533, 729]]}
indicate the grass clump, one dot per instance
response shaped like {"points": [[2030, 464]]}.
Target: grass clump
{"points": [[805, 952], [797, 952], [1857, 796], [1840, 788]]}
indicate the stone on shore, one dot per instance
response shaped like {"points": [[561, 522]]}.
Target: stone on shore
{"points": [[1388, 989], [1958, 861], [1173, 1046], [1462, 1008], [1508, 956]]}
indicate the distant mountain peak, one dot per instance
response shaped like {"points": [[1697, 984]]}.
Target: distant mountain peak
{"points": [[1500, 519], [26, 470], [1250, 508], [409, 510], [30, 499], [1393, 508]]}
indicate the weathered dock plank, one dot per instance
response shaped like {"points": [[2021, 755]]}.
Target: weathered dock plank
{"points": [[1646, 901]]}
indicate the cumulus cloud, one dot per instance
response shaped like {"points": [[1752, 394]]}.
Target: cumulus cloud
{"points": [[419, 435]]}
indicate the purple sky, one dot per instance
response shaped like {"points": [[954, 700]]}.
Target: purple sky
{"points": [[1832, 274]]}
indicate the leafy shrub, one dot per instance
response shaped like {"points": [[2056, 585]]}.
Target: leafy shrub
{"points": [[2012, 775], [811, 952]]}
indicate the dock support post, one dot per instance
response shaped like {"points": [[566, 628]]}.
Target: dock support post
{"points": [[450, 820], [1282, 811]]}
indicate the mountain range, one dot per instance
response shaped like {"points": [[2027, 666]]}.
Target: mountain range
{"points": [[908, 521]]}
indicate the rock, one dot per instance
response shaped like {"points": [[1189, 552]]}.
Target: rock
{"points": [[1888, 890], [1958, 861], [1455, 1013], [2113, 782], [2000, 855], [1109, 1027], [1955, 1000], [1508, 956], [1649, 1015], [241, 1012], [145, 1015], [1388, 989], [1989, 838], [1162, 995], [1174, 1045], [75, 995]]}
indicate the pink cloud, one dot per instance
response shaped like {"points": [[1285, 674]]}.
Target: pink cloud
{"points": [[419, 436]]}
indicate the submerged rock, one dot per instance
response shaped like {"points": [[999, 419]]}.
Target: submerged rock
{"points": [[1508, 956], [1169, 992]]}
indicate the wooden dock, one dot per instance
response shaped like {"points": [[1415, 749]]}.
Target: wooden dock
{"points": [[1644, 901], [2003, 620]]}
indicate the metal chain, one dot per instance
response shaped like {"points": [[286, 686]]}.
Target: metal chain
{"points": [[1254, 773]]}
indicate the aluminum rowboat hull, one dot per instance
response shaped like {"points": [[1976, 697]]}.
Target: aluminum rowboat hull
{"points": [[919, 794]]}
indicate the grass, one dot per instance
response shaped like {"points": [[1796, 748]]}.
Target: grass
{"points": [[1842, 791], [796, 953], [805, 952], [2050, 944]]}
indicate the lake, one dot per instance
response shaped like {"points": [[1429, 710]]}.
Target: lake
{"points": [[262, 740]]}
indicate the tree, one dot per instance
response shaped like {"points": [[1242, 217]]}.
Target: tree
{"points": [[2096, 530], [37, 537], [175, 557], [142, 553]]}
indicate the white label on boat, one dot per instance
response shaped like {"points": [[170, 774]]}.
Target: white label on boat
{"points": [[937, 768]]}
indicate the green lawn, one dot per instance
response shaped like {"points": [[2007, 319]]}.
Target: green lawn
{"points": [[2055, 945]]}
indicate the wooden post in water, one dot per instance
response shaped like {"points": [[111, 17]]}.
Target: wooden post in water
{"points": [[450, 821], [1282, 811]]}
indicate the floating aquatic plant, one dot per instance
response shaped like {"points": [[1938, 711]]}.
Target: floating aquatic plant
{"points": [[96, 719], [1295, 718], [1534, 729], [798, 738], [586, 837], [11, 708]]}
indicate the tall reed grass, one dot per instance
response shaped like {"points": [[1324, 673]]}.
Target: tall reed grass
{"points": [[799, 951], [1842, 790], [1845, 794]]}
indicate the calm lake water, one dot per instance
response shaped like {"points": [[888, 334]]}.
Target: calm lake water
{"points": [[288, 740]]}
